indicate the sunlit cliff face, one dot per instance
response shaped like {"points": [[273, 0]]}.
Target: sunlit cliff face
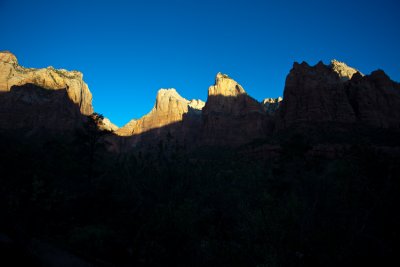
{"points": [[49, 78], [225, 86], [169, 108]]}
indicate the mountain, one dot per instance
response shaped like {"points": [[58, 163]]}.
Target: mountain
{"points": [[12, 74], [231, 116], [169, 108], [172, 117], [37, 99], [271, 105], [333, 95], [337, 93]]}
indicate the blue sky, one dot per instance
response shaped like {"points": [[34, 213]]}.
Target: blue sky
{"points": [[127, 50]]}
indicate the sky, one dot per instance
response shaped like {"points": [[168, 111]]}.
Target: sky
{"points": [[128, 50]]}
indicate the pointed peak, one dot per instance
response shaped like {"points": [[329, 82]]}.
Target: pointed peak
{"points": [[343, 70], [320, 64], [302, 65], [225, 85], [8, 57], [221, 75], [165, 96], [379, 75]]}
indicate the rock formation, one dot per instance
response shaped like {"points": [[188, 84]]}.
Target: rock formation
{"points": [[271, 105], [107, 125], [314, 94], [49, 78], [170, 108], [335, 95], [375, 99], [35, 99], [173, 118], [338, 94], [226, 96], [345, 72], [230, 115]]}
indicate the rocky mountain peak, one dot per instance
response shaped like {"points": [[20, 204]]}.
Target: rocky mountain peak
{"points": [[271, 105], [8, 57], [380, 75], [338, 94], [230, 115], [334, 70], [169, 101], [225, 86], [12, 74], [169, 98], [170, 108], [345, 72]]}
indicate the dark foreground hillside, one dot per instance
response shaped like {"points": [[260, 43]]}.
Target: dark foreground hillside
{"points": [[205, 207]]}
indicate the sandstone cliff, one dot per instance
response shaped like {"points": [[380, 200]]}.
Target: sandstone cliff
{"points": [[107, 125], [375, 99], [271, 105], [47, 99], [170, 109], [314, 94], [228, 97], [49, 78], [345, 72], [230, 115], [337, 93]]}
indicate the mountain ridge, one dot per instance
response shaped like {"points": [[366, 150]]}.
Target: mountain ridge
{"points": [[333, 93]]}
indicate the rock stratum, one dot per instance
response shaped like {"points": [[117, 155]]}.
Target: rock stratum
{"points": [[336, 95]]}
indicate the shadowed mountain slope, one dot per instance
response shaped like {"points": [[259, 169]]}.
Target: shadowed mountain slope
{"points": [[338, 94]]}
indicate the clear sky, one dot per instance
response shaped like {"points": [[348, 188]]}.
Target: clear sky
{"points": [[127, 50]]}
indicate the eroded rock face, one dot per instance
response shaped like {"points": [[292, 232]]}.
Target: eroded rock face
{"points": [[271, 105], [107, 125], [314, 94], [338, 94], [196, 106], [35, 111], [170, 109], [334, 94], [226, 86], [345, 72], [230, 116], [228, 97], [41, 101], [49, 78], [375, 99]]}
